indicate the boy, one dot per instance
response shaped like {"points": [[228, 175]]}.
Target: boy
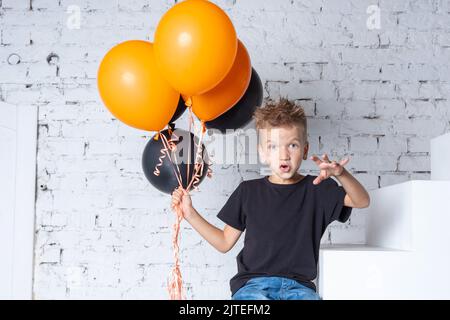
{"points": [[284, 214]]}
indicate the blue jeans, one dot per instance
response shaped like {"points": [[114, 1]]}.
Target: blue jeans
{"points": [[274, 288]]}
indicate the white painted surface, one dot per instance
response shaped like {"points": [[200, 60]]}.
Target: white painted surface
{"points": [[389, 219], [440, 157], [18, 128], [412, 216], [7, 196]]}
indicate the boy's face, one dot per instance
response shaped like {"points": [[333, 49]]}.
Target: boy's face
{"points": [[282, 149]]}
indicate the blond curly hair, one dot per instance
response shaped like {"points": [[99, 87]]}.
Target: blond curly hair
{"points": [[281, 113]]}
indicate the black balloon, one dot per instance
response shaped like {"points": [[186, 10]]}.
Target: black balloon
{"points": [[167, 181], [241, 113], [179, 111]]}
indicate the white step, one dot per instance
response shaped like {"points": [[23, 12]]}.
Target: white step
{"points": [[410, 215], [377, 273], [406, 256], [440, 157]]}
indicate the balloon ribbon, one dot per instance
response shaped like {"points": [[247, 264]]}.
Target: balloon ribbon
{"points": [[175, 283]]}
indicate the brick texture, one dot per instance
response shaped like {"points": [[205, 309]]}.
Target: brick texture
{"points": [[102, 231]]}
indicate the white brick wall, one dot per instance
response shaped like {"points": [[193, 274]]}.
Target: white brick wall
{"points": [[103, 232]]}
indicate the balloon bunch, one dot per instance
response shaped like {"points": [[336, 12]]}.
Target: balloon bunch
{"points": [[196, 62]]}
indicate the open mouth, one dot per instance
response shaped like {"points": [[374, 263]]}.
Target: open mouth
{"points": [[285, 168]]}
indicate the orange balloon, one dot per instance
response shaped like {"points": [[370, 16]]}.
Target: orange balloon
{"points": [[228, 92], [195, 46], [133, 89]]}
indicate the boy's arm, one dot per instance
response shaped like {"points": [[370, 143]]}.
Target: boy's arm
{"points": [[357, 196], [222, 240]]}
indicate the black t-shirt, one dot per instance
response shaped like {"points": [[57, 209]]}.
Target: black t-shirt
{"points": [[284, 224]]}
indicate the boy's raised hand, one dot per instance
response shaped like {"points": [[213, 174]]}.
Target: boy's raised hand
{"points": [[328, 168], [182, 198]]}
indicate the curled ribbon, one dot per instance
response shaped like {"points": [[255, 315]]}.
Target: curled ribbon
{"points": [[175, 282]]}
